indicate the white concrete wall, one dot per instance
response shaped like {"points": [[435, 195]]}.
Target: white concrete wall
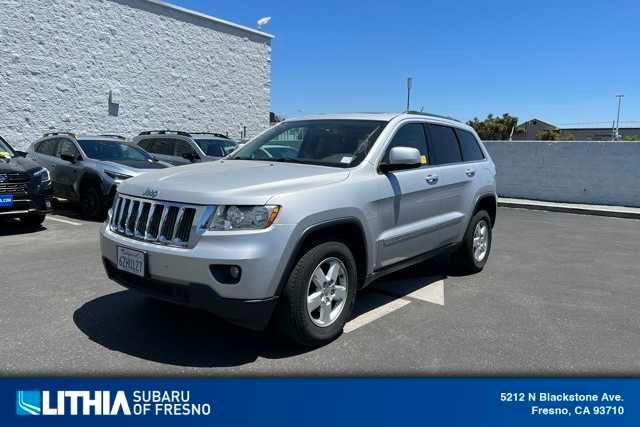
{"points": [[60, 59], [574, 171]]}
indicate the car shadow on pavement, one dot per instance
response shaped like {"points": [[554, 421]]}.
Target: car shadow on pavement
{"points": [[13, 227], [130, 323], [166, 333]]}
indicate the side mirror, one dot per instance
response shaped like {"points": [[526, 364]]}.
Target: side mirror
{"points": [[402, 158], [68, 157], [192, 157], [20, 153]]}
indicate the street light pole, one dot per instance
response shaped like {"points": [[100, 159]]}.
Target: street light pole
{"points": [[409, 84], [618, 119]]}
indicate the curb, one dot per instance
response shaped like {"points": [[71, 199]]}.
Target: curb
{"points": [[612, 211]]}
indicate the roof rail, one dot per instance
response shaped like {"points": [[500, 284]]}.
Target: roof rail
{"points": [[217, 134], [420, 113], [58, 133], [112, 135], [165, 131]]}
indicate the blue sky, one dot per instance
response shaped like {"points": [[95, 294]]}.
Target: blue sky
{"points": [[561, 61]]}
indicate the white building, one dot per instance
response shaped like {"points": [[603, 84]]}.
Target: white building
{"points": [[123, 66]]}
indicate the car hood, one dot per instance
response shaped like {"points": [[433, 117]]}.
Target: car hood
{"points": [[18, 164], [231, 181], [132, 167]]}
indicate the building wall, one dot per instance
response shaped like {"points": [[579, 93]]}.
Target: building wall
{"points": [[576, 171], [62, 61]]}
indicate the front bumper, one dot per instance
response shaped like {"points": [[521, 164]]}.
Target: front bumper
{"points": [[253, 314], [183, 275], [27, 205]]}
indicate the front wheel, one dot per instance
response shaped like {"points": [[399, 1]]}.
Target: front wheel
{"points": [[91, 203], [318, 297], [474, 250]]}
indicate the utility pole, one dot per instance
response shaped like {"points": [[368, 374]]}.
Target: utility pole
{"points": [[409, 84], [618, 119]]}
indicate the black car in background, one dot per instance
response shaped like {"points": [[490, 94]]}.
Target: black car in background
{"points": [[182, 148], [88, 168], [25, 187]]}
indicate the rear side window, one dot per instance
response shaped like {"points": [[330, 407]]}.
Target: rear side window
{"points": [[443, 145], [183, 147], [410, 135], [48, 147], [469, 146], [163, 146]]}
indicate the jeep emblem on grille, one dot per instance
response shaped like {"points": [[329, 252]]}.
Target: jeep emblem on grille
{"points": [[3, 178], [150, 193]]}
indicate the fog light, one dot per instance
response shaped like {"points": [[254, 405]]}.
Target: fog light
{"points": [[234, 271], [226, 274]]}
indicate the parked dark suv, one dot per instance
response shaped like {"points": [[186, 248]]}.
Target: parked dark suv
{"points": [[89, 168], [182, 148], [25, 187]]}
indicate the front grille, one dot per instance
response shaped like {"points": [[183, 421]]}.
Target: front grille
{"points": [[162, 223], [14, 183]]}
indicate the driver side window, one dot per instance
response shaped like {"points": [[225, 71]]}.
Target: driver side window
{"points": [[410, 135], [66, 147]]}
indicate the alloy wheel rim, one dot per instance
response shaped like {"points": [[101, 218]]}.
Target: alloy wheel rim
{"points": [[327, 292], [480, 241]]}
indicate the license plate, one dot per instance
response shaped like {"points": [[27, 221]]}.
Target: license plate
{"points": [[131, 261], [6, 200]]}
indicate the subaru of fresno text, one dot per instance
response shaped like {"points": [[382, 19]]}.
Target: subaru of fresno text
{"points": [[293, 238]]}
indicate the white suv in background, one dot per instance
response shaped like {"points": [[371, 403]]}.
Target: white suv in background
{"points": [[356, 196]]}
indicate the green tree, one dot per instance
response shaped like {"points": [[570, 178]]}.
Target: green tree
{"points": [[632, 138], [494, 127], [555, 135]]}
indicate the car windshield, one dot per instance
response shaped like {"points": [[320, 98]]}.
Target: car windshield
{"points": [[106, 150], [216, 147], [6, 152], [337, 143]]}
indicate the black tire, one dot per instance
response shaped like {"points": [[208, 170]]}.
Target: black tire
{"points": [[464, 257], [292, 318], [33, 220], [91, 202]]}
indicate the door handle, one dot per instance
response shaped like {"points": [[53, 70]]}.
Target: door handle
{"points": [[470, 172], [432, 179]]}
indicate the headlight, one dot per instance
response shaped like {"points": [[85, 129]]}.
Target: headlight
{"points": [[242, 217], [117, 176], [44, 175]]}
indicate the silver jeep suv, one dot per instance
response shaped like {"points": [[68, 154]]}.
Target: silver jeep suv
{"points": [[293, 238]]}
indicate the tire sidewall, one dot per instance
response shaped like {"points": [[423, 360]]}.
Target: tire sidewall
{"points": [[468, 244], [90, 191], [302, 274]]}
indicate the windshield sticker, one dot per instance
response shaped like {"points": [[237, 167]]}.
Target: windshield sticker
{"points": [[5, 154], [346, 159]]}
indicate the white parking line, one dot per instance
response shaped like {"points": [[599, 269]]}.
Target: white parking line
{"points": [[374, 314], [66, 221], [433, 293]]}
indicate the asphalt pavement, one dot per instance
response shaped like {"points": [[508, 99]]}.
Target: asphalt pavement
{"points": [[560, 295]]}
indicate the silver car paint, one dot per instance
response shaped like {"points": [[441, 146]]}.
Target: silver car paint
{"points": [[401, 214]]}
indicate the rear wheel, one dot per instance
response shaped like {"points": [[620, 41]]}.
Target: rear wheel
{"points": [[476, 246], [319, 295], [91, 202], [33, 220]]}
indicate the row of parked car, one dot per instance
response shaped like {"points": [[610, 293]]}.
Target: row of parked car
{"points": [[87, 169]]}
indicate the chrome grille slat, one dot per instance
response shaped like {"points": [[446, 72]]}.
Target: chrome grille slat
{"points": [[147, 229], [169, 224], [177, 225]]}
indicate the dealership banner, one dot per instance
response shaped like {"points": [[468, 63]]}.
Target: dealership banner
{"points": [[321, 402]]}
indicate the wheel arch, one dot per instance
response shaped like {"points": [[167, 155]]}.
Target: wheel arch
{"points": [[347, 230], [489, 203]]}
